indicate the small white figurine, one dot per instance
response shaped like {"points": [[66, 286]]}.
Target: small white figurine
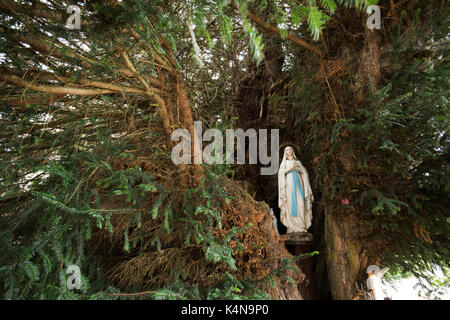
{"points": [[294, 193]]}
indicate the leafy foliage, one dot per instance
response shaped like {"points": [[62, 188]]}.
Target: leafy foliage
{"points": [[388, 154], [85, 170]]}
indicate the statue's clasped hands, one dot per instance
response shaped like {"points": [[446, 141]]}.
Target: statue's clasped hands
{"points": [[296, 167]]}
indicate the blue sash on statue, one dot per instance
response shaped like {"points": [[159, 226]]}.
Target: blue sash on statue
{"points": [[296, 184]]}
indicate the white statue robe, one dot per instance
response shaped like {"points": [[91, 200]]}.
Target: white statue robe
{"points": [[295, 196]]}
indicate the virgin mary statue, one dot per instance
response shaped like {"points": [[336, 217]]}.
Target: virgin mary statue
{"points": [[294, 193]]}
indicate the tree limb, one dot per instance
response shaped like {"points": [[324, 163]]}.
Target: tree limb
{"points": [[274, 29], [51, 89]]}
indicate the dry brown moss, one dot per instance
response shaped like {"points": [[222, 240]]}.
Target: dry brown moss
{"points": [[144, 266]]}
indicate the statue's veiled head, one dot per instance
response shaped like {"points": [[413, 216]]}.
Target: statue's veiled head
{"points": [[289, 153]]}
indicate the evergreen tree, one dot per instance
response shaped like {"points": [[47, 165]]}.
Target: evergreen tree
{"points": [[87, 114]]}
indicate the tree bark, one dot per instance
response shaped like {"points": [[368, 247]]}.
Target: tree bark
{"points": [[345, 252]]}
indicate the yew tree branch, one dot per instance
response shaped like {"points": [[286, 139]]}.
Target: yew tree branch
{"points": [[10, 78], [274, 29]]}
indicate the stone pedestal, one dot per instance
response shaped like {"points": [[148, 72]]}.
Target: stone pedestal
{"points": [[297, 243]]}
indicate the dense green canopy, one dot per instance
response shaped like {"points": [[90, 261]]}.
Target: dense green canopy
{"points": [[86, 118]]}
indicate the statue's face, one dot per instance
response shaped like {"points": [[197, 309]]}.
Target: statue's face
{"points": [[289, 152]]}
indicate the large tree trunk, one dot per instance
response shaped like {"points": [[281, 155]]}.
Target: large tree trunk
{"points": [[346, 257]]}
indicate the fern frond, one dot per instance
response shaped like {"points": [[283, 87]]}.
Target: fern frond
{"points": [[316, 21], [30, 269], [329, 5]]}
